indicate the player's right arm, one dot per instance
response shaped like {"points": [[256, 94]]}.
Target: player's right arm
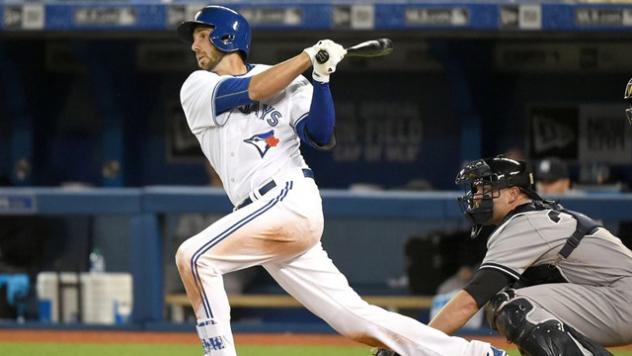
{"points": [[271, 81], [206, 95], [268, 83], [315, 126], [234, 92]]}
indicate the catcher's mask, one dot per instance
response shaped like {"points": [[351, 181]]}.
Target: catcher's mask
{"points": [[628, 98], [482, 181]]}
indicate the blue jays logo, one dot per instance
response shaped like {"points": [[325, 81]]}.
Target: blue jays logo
{"points": [[263, 142]]}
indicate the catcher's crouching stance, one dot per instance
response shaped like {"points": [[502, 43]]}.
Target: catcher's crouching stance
{"points": [[554, 282]]}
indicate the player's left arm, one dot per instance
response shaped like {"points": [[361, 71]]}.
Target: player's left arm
{"points": [[316, 127], [455, 313], [506, 259]]}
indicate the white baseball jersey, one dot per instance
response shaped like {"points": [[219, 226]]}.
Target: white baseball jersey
{"points": [[281, 230], [249, 144]]}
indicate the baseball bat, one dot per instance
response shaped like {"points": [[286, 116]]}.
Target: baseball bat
{"points": [[373, 48]]}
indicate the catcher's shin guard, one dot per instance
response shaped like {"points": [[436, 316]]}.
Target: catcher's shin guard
{"points": [[548, 338], [495, 304]]}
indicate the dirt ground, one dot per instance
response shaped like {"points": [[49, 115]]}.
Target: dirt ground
{"points": [[122, 337]]}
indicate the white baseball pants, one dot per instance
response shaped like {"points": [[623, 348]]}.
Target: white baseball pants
{"points": [[281, 231]]}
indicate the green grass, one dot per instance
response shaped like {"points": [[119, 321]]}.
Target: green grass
{"points": [[46, 349], [50, 349]]}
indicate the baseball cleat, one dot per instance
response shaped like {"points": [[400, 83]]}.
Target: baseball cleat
{"points": [[383, 352], [496, 352]]}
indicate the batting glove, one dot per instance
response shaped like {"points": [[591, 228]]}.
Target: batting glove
{"points": [[334, 53]]}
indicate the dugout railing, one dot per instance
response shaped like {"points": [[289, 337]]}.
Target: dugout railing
{"points": [[144, 206]]}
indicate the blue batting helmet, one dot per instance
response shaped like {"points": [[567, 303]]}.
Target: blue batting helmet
{"points": [[231, 31]]}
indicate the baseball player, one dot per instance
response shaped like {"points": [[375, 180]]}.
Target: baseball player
{"points": [[554, 281], [250, 120]]}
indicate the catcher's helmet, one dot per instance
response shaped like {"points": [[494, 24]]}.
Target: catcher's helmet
{"points": [[231, 31], [482, 180], [628, 98]]}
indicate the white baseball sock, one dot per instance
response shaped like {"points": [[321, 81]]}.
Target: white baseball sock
{"points": [[217, 339]]}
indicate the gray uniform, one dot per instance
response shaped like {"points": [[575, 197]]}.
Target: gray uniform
{"points": [[597, 298]]}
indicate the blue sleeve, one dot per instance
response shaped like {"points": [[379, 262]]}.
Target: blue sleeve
{"points": [[231, 93], [317, 127]]}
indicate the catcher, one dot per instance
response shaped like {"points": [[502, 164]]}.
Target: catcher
{"points": [[553, 281]]}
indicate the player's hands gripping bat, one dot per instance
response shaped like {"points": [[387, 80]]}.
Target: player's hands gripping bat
{"points": [[373, 48], [335, 53]]}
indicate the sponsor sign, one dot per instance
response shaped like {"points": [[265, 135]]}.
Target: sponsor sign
{"points": [[118, 16], [273, 16], [17, 203], [604, 134], [360, 17], [603, 17], [24, 17], [454, 16], [521, 17], [553, 132]]}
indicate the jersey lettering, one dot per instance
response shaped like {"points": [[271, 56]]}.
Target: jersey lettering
{"points": [[273, 120], [247, 109], [265, 112], [251, 143]]}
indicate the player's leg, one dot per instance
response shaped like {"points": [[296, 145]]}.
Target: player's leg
{"points": [[201, 273], [264, 231], [601, 313], [314, 280], [536, 330]]}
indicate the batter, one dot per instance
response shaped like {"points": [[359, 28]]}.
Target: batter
{"points": [[250, 121]]}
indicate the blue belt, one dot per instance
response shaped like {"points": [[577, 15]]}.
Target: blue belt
{"points": [[307, 173]]}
